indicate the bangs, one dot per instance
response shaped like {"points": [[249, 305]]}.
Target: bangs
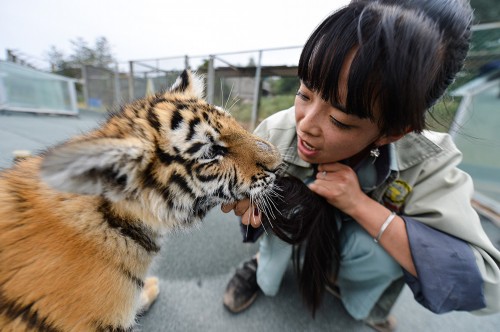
{"points": [[390, 77], [322, 59]]}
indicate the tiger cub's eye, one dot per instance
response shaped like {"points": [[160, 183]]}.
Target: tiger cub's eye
{"points": [[263, 146]]}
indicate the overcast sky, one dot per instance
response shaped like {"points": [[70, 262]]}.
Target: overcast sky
{"points": [[156, 29]]}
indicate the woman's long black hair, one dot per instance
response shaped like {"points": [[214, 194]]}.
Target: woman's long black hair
{"points": [[407, 52], [306, 220]]}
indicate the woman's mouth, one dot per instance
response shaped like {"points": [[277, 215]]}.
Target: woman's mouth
{"points": [[308, 147], [305, 149]]}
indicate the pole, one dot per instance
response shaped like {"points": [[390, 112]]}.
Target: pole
{"points": [[131, 95], [211, 80], [256, 93]]}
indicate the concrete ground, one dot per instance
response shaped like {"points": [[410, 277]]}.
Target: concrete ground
{"points": [[195, 266]]}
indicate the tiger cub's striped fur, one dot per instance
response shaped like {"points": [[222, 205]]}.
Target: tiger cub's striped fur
{"points": [[80, 224]]}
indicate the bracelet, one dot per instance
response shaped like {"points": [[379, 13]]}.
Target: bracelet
{"points": [[386, 224]]}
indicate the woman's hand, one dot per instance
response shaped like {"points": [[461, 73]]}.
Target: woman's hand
{"points": [[249, 214], [339, 185]]}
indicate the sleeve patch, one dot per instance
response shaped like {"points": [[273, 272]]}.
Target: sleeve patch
{"points": [[395, 196]]}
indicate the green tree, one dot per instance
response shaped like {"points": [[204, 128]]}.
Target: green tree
{"points": [[203, 68], [56, 59], [99, 55], [285, 86], [485, 11], [251, 62]]}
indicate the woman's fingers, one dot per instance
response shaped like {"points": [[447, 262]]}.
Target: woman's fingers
{"points": [[242, 207], [251, 217], [228, 207], [239, 207]]}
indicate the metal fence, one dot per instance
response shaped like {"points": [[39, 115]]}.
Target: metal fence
{"points": [[484, 54], [247, 82], [234, 80]]}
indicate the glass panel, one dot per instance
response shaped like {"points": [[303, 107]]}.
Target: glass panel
{"points": [[478, 137], [26, 89]]}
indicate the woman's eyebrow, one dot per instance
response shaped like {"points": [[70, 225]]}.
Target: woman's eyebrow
{"points": [[339, 107], [307, 85]]}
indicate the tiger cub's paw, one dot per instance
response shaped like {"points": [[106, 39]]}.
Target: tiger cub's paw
{"points": [[149, 293]]}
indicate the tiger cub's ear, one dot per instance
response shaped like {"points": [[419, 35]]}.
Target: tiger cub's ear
{"points": [[103, 166], [190, 84]]}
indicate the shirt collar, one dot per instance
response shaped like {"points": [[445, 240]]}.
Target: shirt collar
{"points": [[412, 149]]}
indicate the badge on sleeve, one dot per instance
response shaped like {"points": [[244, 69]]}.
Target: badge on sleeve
{"points": [[395, 196]]}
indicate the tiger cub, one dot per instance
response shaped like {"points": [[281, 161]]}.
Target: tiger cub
{"points": [[80, 223]]}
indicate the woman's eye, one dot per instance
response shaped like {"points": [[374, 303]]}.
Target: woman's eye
{"points": [[301, 95], [339, 124]]}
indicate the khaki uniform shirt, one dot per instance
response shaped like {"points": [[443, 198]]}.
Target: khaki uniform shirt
{"points": [[424, 185]]}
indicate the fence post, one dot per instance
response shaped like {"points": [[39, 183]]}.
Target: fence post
{"points": [[85, 87], [256, 93], [117, 93], [131, 81], [210, 80]]}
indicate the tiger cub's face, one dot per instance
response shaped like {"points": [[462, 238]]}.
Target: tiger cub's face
{"points": [[169, 157]]}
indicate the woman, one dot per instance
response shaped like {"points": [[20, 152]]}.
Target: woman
{"points": [[368, 74]]}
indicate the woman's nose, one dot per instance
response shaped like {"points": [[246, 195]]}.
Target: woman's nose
{"points": [[310, 122]]}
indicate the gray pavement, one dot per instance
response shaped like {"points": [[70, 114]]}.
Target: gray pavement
{"points": [[194, 266]]}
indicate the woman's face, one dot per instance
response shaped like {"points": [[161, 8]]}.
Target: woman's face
{"points": [[327, 134]]}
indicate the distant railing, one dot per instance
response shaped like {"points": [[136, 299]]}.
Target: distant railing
{"points": [[244, 80], [229, 75]]}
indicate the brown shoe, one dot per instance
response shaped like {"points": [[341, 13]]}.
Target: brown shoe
{"points": [[242, 289], [388, 325]]}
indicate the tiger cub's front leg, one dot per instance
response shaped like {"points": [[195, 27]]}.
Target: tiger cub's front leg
{"points": [[149, 293]]}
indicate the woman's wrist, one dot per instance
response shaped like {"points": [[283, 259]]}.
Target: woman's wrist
{"points": [[370, 214], [384, 226]]}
